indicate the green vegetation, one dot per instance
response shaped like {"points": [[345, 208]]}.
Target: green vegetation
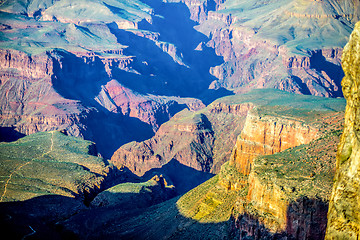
{"points": [[139, 187], [307, 170], [278, 98], [300, 25], [49, 163], [212, 202], [79, 26], [34, 37], [136, 195]]}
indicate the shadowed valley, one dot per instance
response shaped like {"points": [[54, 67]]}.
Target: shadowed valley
{"points": [[180, 119]]}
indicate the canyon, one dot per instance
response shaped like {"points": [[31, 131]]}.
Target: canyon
{"points": [[175, 119], [285, 194], [132, 72]]}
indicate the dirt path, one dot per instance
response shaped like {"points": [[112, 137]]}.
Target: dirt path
{"points": [[21, 166]]}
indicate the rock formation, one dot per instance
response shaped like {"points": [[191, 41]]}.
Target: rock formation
{"points": [[282, 195], [135, 77], [132, 72], [266, 135], [343, 215], [136, 195], [297, 60]]}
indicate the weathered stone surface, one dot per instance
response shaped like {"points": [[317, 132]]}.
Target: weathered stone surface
{"points": [[189, 141], [266, 135], [344, 209]]}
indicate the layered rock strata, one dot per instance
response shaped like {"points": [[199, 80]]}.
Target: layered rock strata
{"points": [[188, 142], [266, 135], [244, 36], [284, 194]]}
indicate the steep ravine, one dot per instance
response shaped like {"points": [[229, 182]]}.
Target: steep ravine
{"points": [[45, 92], [288, 192]]}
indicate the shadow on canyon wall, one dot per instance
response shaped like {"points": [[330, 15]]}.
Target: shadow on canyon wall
{"points": [[306, 219], [9, 134], [158, 73], [335, 72], [36, 218], [184, 178], [59, 217], [78, 79]]}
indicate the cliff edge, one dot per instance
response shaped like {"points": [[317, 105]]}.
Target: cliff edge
{"points": [[344, 208]]}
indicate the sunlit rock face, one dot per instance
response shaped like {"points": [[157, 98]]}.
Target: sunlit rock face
{"points": [[265, 135], [343, 215], [277, 193]]}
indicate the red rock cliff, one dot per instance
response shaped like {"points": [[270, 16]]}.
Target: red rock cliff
{"points": [[264, 135]]}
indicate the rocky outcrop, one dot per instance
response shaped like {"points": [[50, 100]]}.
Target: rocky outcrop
{"points": [[251, 49], [343, 215], [266, 135], [15, 63], [153, 110], [46, 92], [136, 195], [284, 193], [197, 139], [28, 100], [245, 65], [288, 193], [285, 196], [188, 142]]}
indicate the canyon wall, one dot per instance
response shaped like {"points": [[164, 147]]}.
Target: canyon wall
{"points": [[46, 92], [343, 215], [190, 137], [285, 195], [288, 193], [282, 189], [266, 135], [256, 56]]}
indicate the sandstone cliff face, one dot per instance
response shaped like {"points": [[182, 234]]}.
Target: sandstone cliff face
{"points": [[24, 66], [343, 215], [283, 193], [285, 196], [288, 192], [265, 135], [28, 99], [46, 92]]}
